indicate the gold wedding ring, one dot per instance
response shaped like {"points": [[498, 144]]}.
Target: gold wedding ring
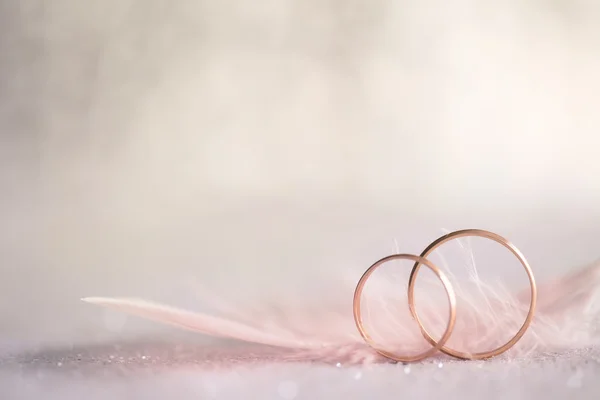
{"points": [[440, 344], [451, 300]]}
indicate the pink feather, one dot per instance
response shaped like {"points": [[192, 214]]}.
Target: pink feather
{"points": [[567, 316]]}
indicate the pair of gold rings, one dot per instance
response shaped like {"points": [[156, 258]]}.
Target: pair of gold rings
{"points": [[440, 344]]}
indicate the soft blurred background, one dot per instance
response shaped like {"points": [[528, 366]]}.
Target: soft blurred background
{"points": [[262, 147]]}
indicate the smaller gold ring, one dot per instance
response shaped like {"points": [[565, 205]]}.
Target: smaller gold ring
{"points": [[451, 300], [499, 239]]}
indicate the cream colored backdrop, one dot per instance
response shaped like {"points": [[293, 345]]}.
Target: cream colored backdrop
{"points": [[146, 143]]}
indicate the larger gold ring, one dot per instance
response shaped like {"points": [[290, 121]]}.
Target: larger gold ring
{"points": [[520, 257], [451, 300]]}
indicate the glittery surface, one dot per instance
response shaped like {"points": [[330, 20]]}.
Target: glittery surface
{"points": [[165, 371]]}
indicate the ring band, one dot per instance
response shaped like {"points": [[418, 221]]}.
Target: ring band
{"points": [[419, 260], [522, 260]]}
